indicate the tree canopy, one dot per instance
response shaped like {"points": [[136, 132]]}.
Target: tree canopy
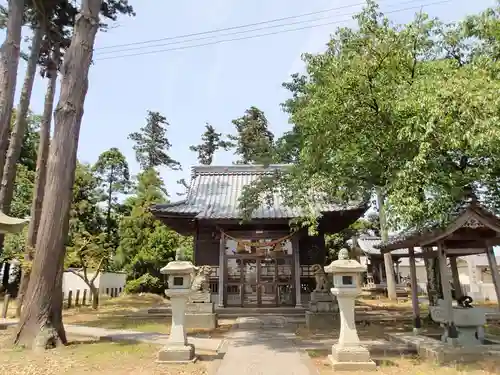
{"points": [[406, 112]]}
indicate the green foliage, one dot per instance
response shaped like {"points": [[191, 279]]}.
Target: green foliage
{"points": [[211, 142], [88, 252], [335, 242], [86, 216], [253, 139], [151, 143], [145, 284], [409, 112], [113, 175], [23, 190], [146, 245]]}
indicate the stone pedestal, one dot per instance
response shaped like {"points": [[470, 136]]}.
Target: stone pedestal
{"points": [[177, 349], [323, 311], [348, 354], [200, 312], [356, 358]]}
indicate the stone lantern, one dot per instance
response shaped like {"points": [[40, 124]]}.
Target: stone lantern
{"points": [[348, 354], [180, 277]]}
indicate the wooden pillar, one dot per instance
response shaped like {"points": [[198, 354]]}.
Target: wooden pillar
{"points": [[296, 266], [414, 291], [456, 278], [381, 272], [445, 286], [222, 266], [398, 279], [494, 272]]}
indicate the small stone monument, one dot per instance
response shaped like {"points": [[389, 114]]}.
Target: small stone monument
{"points": [[180, 276], [348, 354], [200, 312], [321, 305]]}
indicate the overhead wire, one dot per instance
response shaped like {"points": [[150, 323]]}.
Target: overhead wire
{"points": [[175, 41], [214, 31], [246, 37]]}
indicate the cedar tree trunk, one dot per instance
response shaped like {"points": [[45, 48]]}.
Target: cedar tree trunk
{"points": [[41, 174], [9, 61], [40, 325], [17, 136]]}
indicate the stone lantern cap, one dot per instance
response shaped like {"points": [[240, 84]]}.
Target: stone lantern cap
{"points": [[178, 267], [344, 264]]}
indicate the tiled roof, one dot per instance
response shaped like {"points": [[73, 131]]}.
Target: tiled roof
{"points": [[432, 229], [214, 193], [368, 244]]}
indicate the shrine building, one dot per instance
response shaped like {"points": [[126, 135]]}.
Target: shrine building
{"points": [[260, 262]]}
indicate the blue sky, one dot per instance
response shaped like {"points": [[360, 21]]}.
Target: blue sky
{"points": [[214, 83]]}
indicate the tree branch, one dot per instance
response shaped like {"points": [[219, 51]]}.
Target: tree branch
{"points": [[98, 269]]}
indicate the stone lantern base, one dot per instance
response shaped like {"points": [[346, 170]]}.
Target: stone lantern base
{"points": [[351, 358], [176, 354]]}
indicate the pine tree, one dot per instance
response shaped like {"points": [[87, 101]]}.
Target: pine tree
{"points": [[211, 141], [254, 141], [152, 145]]}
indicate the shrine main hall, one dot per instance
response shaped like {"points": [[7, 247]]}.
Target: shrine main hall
{"points": [[259, 262]]}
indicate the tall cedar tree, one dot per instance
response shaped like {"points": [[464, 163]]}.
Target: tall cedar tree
{"points": [[9, 62], [113, 173], [253, 141], [18, 133], [49, 20], [41, 171], [152, 145], [40, 324], [211, 141]]}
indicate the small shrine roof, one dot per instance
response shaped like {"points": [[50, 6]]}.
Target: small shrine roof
{"points": [[10, 224], [470, 227]]}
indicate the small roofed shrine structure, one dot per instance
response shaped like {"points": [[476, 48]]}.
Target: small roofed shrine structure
{"points": [[470, 229], [261, 262], [365, 246]]}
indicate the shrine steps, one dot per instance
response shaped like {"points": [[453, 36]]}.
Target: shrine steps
{"points": [[237, 312]]}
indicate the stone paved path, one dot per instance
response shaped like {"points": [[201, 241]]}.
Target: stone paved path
{"points": [[128, 335], [263, 347]]}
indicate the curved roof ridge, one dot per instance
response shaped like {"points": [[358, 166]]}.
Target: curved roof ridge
{"points": [[236, 168]]}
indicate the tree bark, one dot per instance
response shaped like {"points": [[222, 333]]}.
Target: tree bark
{"points": [[95, 297], [40, 324], [9, 62], [17, 136], [108, 214], [41, 174], [384, 231]]}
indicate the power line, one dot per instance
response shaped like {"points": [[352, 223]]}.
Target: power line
{"points": [[214, 31], [256, 36], [174, 42]]}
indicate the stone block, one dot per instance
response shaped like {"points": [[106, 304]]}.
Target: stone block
{"points": [[322, 302], [351, 358], [176, 354], [200, 297], [352, 366], [318, 320], [321, 296], [200, 320], [199, 307]]}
